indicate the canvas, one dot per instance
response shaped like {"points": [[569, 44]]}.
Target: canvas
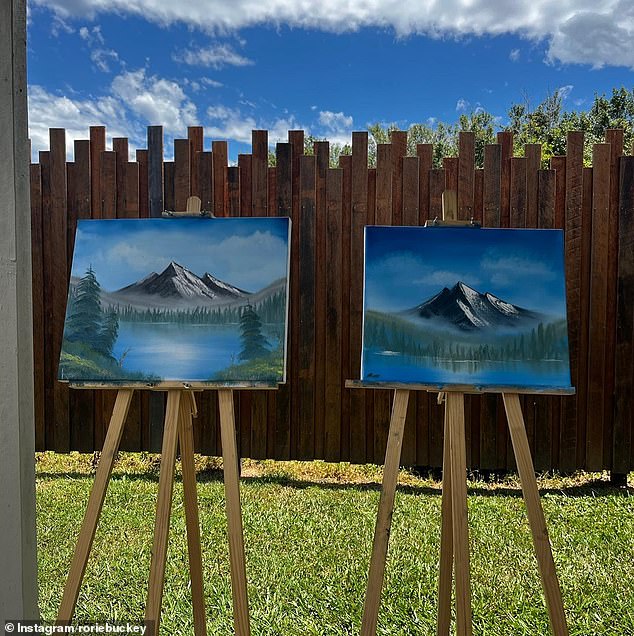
{"points": [[465, 306], [196, 300]]}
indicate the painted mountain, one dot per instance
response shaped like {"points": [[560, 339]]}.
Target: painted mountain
{"points": [[467, 309], [213, 306], [493, 307]]}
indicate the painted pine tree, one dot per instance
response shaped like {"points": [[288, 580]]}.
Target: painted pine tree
{"points": [[254, 344]]}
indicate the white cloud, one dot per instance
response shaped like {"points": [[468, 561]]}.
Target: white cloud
{"points": [[207, 81], [462, 105], [232, 124], [514, 55], [595, 32], [216, 56], [102, 57], [134, 101], [155, 100], [48, 110], [335, 121], [564, 91]]}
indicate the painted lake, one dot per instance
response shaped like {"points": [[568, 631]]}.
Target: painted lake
{"points": [[200, 353], [381, 366]]}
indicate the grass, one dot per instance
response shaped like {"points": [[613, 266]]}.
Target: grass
{"points": [[308, 533]]}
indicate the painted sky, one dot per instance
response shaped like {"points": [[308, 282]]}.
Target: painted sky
{"points": [[406, 266], [249, 253], [326, 66]]}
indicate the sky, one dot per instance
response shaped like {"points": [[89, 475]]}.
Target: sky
{"points": [[406, 266], [326, 66], [123, 251]]}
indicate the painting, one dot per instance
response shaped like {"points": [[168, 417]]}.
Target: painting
{"points": [[197, 300], [465, 306]]}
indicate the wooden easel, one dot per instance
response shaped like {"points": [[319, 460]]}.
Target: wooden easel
{"points": [[181, 407], [454, 543]]}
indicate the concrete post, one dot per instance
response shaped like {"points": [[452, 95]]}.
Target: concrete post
{"points": [[18, 564]]}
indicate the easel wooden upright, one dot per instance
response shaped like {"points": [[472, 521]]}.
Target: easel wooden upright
{"points": [[454, 546], [180, 408]]}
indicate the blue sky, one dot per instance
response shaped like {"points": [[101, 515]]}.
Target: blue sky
{"points": [[406, 266], [329, 67], [249, 253]]}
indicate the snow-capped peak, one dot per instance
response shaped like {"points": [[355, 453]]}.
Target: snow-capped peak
{"points": [[505, 308]]}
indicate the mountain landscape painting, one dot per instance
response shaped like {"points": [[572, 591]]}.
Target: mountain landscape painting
{"points": [[197, 300], [465, 306]]}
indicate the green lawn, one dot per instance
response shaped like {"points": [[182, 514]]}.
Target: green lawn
{"points": [[308, 533]]}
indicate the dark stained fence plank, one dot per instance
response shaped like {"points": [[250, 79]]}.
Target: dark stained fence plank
{"points": [[259, 204], [37, 265], [121, 147], [322, 159], [156, 206], [59, 277], [205, 181], [81, 403], [450, 165], [573, 243], [586, 257], [334, 196], [545, 406], [272, 396], [358, 218], [181, 174], [622, 440], [196, 139], [220, 163], [384, 212], [347, 439], [466, 174], [505, 140], [108, 192], [306, 324], [283, 207], [296, 140], [615, 138], [410, 218], [369, 395]]}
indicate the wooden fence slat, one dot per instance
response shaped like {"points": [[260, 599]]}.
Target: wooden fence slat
{"points": [[334, 201], [195, 137], [369, 395], [181, 173], [573, 245], [220, 163], [283, 207], [307, 268], [108, 193], [505, 140], [410, 218], [321, 150], [259, 203], [60, 274], [615, 139], [156, 206], [358, 217], [272, 396], [37, 265], [544, 406], [81, 403], [205, 181], [450, 165], [296, 140], [466, 174], [584, 324], [347, 444], [424, 152], [121, 147], [622, 440]]}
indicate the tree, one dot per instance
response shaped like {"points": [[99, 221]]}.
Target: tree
{"points": [[254, 344], [84, 321], [108, 333]]}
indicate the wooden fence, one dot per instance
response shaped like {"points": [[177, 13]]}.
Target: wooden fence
{"points": [[313, 416]]}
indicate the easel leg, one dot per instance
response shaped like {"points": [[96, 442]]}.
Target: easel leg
{"points": [[535, 512], [95, 503], [455, 415], [186, 438], [234, 516], [163, 508], [446, 540], [384, 517]]}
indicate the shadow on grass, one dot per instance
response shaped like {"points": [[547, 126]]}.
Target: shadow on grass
{"points": [[597, 488]]}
